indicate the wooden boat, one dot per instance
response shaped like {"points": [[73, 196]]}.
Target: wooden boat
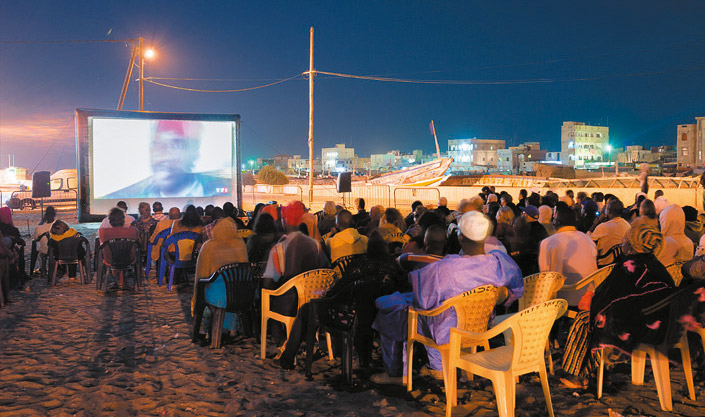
{"points": [[425, 174]]}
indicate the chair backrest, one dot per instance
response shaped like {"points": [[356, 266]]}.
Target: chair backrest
{"points": [[611, 256], [240, 285], [540, 287], [68, 248], [600, 275], [123, 252], [313, 284], [676, 271], [473, 308], [530, 328], [180, 236], [245, 233], [348, 261], [161, 235], [397, 237]]}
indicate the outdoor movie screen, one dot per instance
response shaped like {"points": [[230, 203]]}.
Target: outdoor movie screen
{"points": [[150, 159]]}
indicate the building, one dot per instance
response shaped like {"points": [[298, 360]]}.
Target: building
{"points": [[689, 145], [582, 145], [281, 161], [636, 154], [300, 165], [474, 154], [552, 157], [338, 158], [519, 159]]}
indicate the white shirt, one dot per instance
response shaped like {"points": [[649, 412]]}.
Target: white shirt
{"points": [[608, 234], [573, 254]]}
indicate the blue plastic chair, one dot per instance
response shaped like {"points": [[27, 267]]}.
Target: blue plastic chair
{"points": [[173, 240], [160, 236], [231, 289]]}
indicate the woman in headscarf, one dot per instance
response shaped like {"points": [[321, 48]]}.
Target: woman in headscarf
{"points": [[259, 244], [60, 230], [676, 245], [225, 248], [12, 240], [615, 303]]}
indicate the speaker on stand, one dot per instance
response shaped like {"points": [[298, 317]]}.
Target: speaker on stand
{"points": [[41, 186], [344, 183]]}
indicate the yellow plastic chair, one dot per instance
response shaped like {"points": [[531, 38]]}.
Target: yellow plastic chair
{"points": [[594, 280], [502, 365], [537, 289], [659, 366], [472, 309], [309, 286], [245, 233]]}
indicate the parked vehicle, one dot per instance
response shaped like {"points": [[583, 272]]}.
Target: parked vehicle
{"points": [[64, 192]]}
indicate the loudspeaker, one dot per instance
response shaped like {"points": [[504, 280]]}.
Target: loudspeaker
{"points": [[343, 185], [41, 184]]}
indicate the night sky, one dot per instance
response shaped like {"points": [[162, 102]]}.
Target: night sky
{"points": [[589, 54]]}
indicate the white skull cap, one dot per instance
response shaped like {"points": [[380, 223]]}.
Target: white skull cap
{"points": [[475, 226]]}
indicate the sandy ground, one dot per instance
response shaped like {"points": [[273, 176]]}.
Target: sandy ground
{"points": [[69, 350]]}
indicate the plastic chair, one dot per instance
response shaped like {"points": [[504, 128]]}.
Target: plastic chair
{"points": [[230, 289], [309, 286], [176, 262], [472, 309], [159, 237], [68, 255], [537, 289], [612, 255], [659, 365], [124, 257], [595, 279], [245, 233], [529, 328], [342, 264], [34, 255]]}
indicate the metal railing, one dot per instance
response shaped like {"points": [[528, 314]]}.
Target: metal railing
{"points": [[407, 195], [58, 198]]}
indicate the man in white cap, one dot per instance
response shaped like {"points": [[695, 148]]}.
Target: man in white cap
{"points": [[437, 282]]}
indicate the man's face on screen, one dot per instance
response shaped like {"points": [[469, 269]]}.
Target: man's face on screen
{"points": [[173, 152]]}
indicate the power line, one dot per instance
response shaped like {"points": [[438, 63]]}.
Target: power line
{"points": [[221, 91], [87, 41], [507, 82]]}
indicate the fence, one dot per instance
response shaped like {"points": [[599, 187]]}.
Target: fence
{"points": [[59, 198]]}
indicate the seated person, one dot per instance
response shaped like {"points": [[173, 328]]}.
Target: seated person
{"points": [[294, 254], [145, 226], [259, 244], [226, 247], [347, 241], [174, 216], [44, 226], [128, 219], [117, 230], [58, 232], [437, 282], [190, 222]]}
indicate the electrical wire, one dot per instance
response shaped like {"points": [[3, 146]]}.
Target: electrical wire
{"points": [[506, 82], [93, 41], [221, 91], [211, 79]]}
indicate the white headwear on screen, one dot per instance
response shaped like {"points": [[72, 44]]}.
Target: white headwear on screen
{"points": [[475, 226]]}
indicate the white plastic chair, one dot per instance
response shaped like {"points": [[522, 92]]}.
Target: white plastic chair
{"points": [[530, 328]]}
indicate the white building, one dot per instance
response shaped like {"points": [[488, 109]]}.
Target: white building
{"points": [[474, 154], [338, 159], [583, 144]]}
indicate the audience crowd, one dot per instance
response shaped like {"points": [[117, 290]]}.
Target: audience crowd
{"points": [[433, 254]]}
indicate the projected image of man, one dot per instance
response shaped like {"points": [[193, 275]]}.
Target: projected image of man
{"points": [[173, 151]]}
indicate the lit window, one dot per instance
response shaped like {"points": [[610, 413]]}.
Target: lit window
{"points": [[685, 152]]}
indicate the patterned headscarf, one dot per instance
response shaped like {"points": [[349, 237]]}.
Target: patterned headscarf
{"points": [[644, 237]]}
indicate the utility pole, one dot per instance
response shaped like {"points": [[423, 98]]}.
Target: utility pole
{"points": [[141, 75], [310, 122], [128, 75]]}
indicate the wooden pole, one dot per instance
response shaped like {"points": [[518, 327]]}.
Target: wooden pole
{"points": [[310, 123], [128, 75], [141, 75]]}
